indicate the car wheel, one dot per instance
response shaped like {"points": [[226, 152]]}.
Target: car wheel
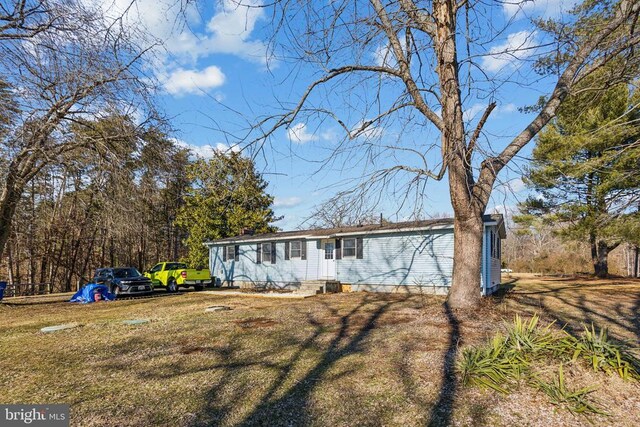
{"points": [[172, 286], [198, 287]]}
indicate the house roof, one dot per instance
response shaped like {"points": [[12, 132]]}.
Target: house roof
{"points": [[387, 228]]}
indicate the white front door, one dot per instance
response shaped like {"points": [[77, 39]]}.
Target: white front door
{"points": [[328, 261]]}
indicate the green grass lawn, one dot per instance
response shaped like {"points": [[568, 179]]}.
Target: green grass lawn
{"points": [[331, 360]]}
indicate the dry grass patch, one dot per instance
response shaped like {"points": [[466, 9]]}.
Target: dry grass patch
{"points": [[332, 360]]}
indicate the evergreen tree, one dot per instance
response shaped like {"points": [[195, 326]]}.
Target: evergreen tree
{"points": [[226, 195], [585, 169]]}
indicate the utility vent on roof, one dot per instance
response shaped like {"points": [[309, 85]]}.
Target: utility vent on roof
{"points": [[248, 231]]}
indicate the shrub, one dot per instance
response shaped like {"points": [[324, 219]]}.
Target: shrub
{"points": [[507, 359], [602, 354]]}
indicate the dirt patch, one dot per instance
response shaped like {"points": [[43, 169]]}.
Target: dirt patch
{"points": [[256, 322], [264, 291]]}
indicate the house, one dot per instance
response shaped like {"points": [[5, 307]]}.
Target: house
{"points": [[414, 256]]}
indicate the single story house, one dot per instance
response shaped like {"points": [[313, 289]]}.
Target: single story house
{"points": [[414, 256]]}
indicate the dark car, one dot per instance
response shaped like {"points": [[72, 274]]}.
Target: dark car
{"points": [[123, 281]]}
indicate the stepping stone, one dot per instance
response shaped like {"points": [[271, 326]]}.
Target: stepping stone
{"points": [[135, 321], [55, 328], [216, 308]]}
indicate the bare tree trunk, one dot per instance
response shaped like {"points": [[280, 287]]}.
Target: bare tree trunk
{"points": [[468, 209], [467, 262], [599, 257], [11, 193], [636, 264], [112, 252], [10, 267], [87, 259]]}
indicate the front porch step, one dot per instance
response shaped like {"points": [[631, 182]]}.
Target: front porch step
{"points": [[320, 286]]}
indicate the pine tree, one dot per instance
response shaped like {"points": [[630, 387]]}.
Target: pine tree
{"points": [[585, 169], [226, 195]]}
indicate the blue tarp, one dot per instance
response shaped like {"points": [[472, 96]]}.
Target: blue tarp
{"points": [[3, 286], [86, 295]]}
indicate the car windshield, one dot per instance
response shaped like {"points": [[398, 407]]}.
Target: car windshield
{"points": [[122, 273]]}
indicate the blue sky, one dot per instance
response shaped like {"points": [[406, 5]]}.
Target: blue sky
{"points": [[216, 79]]}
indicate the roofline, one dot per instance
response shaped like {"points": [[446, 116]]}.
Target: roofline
{"points": [[304, 235], [494, 219]]}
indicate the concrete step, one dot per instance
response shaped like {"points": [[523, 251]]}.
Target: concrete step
{"points": [[321, 286]]}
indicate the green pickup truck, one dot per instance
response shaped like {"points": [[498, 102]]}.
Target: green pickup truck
{"points": [[174, 275]]}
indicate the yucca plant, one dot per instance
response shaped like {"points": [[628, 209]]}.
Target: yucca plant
{"points": [[493, 366], [602, 354], [576, 401], [529, 338]]}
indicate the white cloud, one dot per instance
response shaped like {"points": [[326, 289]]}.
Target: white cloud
{"points": [[471, 112], [298, 133], [182, 44], [329, 135], [475, 111], [508, 108], [517, 47], [230, 30], [516, 185], [286, 202], [383, 56], [539, 8], [182, 81], [205, 151]]}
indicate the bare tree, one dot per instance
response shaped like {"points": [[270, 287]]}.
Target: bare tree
{"points": [[65, 62], [421, 63]]}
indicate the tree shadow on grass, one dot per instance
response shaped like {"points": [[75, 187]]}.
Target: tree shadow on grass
{"points": [[442, 410], [290, 406]]}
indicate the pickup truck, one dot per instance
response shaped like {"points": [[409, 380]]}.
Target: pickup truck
{"points": [[174, 275]]}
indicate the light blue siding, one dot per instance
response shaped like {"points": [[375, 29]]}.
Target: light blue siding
{"points": [[414, 259], [392, 261], [491, 275], [281, 273]]}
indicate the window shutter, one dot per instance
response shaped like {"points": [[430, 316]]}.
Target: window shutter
{"points": [[224, 254], [359, 251], [259, 254], [273, 252], [236, 251], [286, 250], [303, 249], [338, 248]]}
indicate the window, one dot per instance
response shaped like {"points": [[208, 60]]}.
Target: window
{"points": [[349, 248], [231, 253], [156, 268], [266, 252], [176, 266], [296, 249], [124, 273], [495, 244]]}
